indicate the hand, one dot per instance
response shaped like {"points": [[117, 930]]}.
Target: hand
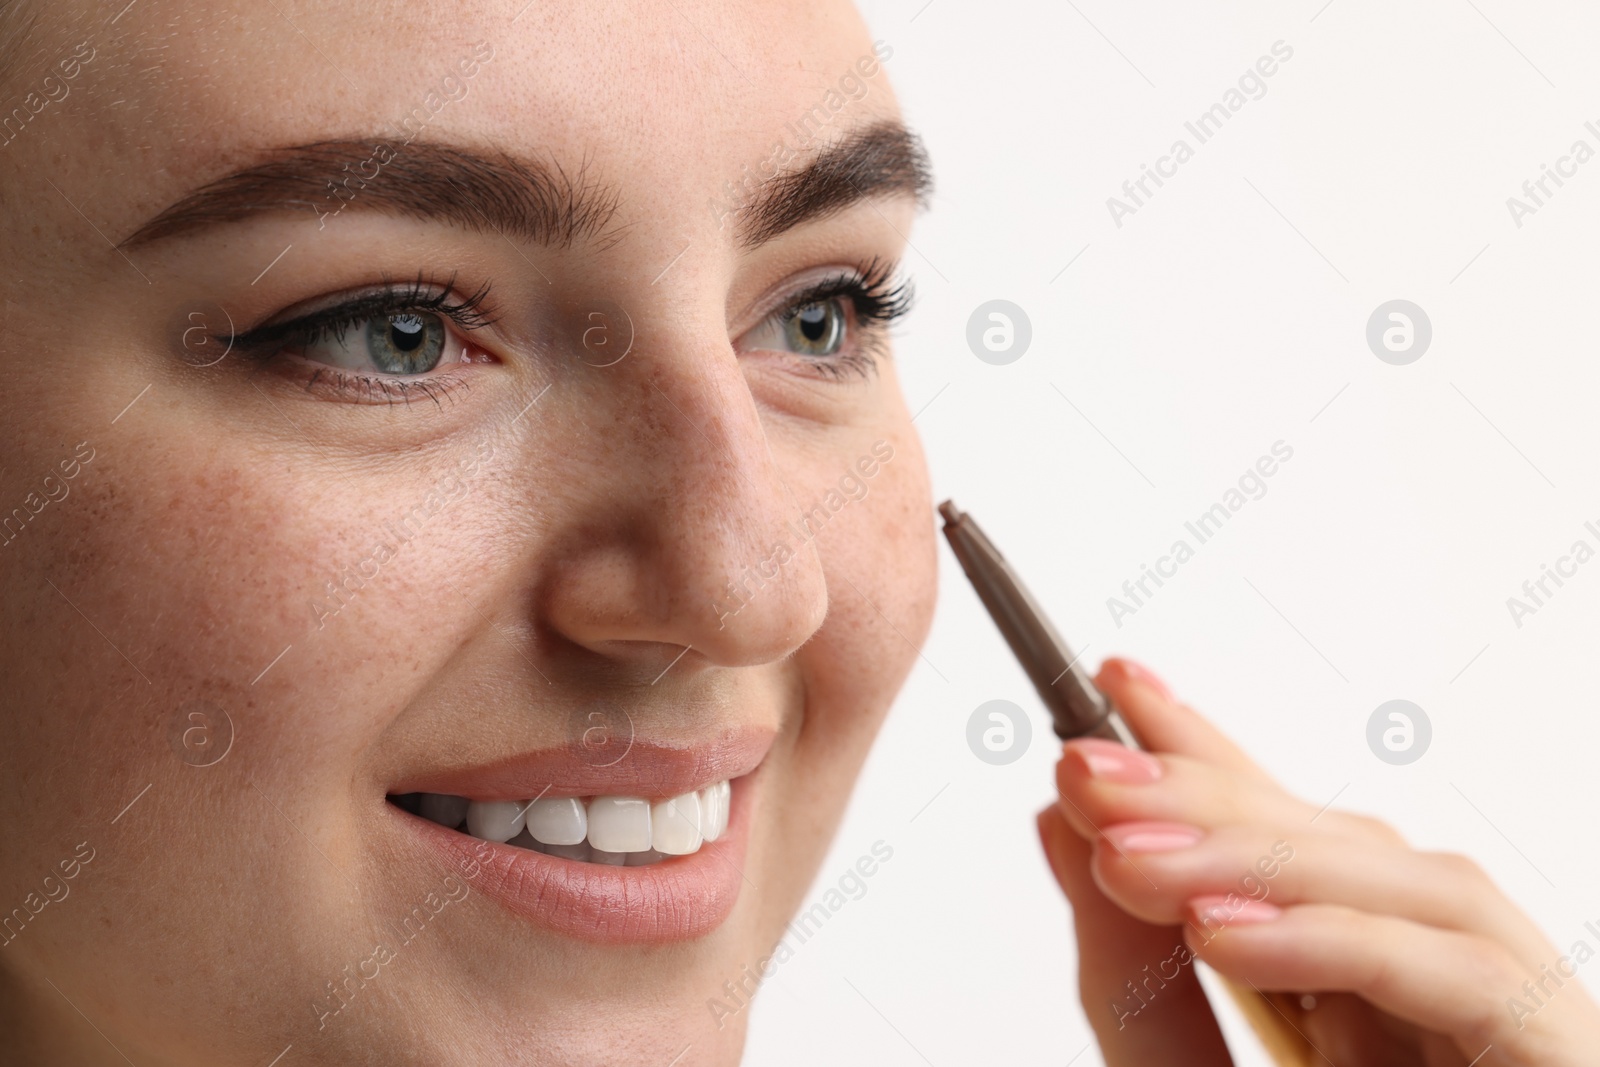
{"points": [[1191, 851]]}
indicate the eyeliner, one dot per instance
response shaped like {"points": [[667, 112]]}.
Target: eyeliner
{"points": [[1077, 708]]}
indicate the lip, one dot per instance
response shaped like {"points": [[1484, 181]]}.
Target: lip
{"points": [[642, 768], [677, 899]]}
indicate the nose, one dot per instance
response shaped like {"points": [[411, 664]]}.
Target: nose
{"points": [[679, 529]]}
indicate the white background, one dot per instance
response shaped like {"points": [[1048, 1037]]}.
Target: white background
{"points": [[1227, 314]]}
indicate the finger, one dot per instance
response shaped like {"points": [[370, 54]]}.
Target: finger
{"points": [[1170, 1020], [1102, 783], [1153, 870], [1109, 783], [1442, 980], [1163, 724]]}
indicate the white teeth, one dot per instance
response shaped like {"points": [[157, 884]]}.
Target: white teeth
{"points": [[558, 821], [615, 831], [675, 825], [619, 824], [447, 811], [714, 800], [494, 820]]}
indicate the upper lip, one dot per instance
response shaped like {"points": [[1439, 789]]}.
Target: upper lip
{"points": [[645, 768]]}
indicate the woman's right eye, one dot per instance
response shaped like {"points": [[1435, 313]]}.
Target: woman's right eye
{"points": [[377, 342], [400, 344]]}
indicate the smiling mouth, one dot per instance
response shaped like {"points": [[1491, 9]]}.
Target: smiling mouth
{"points": [[610, 830], [648, 849]]}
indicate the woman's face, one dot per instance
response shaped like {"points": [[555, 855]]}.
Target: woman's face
{"points": [[433, 399]]}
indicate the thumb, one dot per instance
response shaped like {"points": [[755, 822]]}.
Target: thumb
{"points": [[1136, 981]]}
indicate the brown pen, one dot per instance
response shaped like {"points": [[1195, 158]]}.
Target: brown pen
{"points": [[1078, 709], [1076, 706]]}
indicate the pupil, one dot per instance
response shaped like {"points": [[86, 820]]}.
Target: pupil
{"points": [[406, 331], [814, 322]]}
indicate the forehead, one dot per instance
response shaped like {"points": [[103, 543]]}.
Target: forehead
{"points": [[667, 101]]}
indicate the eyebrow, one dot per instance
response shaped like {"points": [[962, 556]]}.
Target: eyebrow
{"points": [[883, 159], [528, 199]]}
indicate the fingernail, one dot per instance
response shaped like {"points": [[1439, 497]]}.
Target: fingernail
{"points": [[1232, 910], [1112, 762], [1153, 836], [1147, 676]]}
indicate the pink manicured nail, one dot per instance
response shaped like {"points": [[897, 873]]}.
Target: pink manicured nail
{"points": [[1112, 762], [1153, 836], [1148, 677], [1216, 913]]}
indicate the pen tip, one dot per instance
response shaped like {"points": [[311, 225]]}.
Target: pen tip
{"points": [[950, 512]]}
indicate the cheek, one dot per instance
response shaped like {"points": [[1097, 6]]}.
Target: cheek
{"points": [[202, 572], [879, 555], [199, 581]]}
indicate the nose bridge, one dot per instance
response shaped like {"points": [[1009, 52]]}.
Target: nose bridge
{"points": [[731, 538], [712, 559]]}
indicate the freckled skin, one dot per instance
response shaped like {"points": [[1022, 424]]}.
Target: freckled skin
{"points": [[569, 551]]}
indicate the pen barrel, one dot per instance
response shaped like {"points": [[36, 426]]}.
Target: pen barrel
{"points": [[1113, 728], [1077, 708]]}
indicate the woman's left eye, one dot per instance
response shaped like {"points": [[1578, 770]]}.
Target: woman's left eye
{"points": [[837, 325], [400, 343], [818, 329]]}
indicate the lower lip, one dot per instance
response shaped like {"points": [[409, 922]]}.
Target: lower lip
{"points": [[677, 899]]}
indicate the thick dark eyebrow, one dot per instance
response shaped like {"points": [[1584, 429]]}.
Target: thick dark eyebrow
{"points": [[423, 180], [883, 159], [540, 203]]}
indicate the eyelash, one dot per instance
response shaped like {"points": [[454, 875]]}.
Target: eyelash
{"points": [[876, 302], [877, 305]]}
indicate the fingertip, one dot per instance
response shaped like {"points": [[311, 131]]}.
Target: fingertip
{"points": [[1205, 918], [1046, 821], [1051, 825], [1086, 758], [1165, 724], [1120, 671]]}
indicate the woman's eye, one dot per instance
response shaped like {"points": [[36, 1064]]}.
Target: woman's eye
{"points": [[400, 343], [816, 329]]}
